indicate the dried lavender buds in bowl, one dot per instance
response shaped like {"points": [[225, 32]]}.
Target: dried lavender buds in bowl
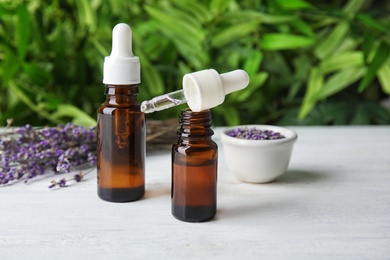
{"points": [[254, 134], [258, 153]]}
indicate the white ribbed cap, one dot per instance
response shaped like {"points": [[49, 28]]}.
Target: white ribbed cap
{"points": [[206, 89], [121, 67]]}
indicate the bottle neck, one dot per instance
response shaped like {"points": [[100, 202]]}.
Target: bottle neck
{"points": [[195, 126], [121, 94]]}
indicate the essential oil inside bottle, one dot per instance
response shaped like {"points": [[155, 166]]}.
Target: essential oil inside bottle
{"points": [[121, 159], [194, 169]]}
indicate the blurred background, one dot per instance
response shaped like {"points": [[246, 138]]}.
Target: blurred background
{"points": [[310, 62]]}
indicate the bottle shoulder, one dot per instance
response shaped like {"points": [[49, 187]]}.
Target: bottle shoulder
{"points": [[191, 148], [109, 109], [189, 155]]}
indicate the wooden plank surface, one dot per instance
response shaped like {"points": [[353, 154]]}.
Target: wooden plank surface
{"points": [[333, 202]]}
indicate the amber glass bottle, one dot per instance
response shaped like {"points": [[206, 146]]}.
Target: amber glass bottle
{"points": [[194, 168], [121, 145]]}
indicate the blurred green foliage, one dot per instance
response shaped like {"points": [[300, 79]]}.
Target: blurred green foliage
{"points": [[310, 62]]}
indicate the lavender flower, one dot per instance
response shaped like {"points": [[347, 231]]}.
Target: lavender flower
{"points": [[62, 182], [26, 152], [254, 134]]}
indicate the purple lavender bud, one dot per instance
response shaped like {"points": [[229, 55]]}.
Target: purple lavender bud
{"points": [[53, 184], [62, 182], [59, 152], [92, 158], [4, 180], [78, 177], [84, 149]]}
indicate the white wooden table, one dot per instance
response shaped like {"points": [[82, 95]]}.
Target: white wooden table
{"points": [[334, 202]]}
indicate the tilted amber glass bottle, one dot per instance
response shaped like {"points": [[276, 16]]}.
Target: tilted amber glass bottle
{"points": [[121, 145], [194, 168]]}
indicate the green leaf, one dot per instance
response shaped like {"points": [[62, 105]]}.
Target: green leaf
{"points": [[353, 6], [233, 59], [182, 29], [293, 4], [368, 43], [384, 77], [28, 102], [361, 116], [278, 66], [330, 43], [255, 83], [370, 22], [78, 116], [99, 47], [229, 113], [196, 9], [187, 38], [5, 11], [11, 99], [234, 33], [377, 113], [380, 57], [87, 15], [23, 30], [276, 19], [115, 7], [184, 17], [37, 74], [52, 101], [241, 16], [152, 78], [348, 44], [314, 85], [218, 6], [302, 65], [340, 80], [237, 16], [252, 63], [343, 60], [302, 27], [284, 41], [9, 67], [294, 89]]}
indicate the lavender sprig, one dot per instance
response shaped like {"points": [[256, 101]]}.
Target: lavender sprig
{"points": [[63, 182], [254, 134], [26, 152]]}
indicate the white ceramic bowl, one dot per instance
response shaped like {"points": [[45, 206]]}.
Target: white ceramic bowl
{"points": [[258, 161]]}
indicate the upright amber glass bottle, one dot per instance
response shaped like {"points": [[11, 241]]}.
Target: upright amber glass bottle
{"points": [[121, 125], [194, 168], [121, 145]]}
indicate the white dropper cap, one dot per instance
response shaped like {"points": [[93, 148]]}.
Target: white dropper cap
{"points": [[206, 89], [121, 67]]}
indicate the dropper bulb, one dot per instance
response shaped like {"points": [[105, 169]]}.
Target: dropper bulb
{"points": [[234, 80], [206, 89], [121, 67], [122, 41], [202, 90]]}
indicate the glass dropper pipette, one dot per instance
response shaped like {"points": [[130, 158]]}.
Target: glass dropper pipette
{"points": [[164, 101], [202, 90]]}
